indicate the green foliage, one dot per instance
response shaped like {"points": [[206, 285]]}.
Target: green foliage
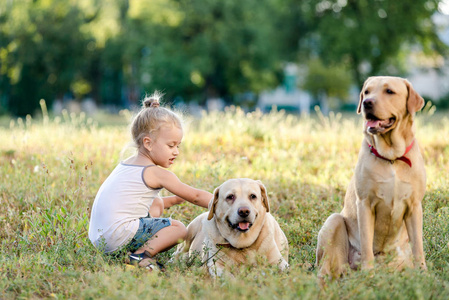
{"points": [[117, 50], [45, 50], [370, 35], [334, 81], [209, 48], [52, 169], [443, 102]]}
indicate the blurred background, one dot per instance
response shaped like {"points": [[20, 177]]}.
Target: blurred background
{"points": [[92, 55]]}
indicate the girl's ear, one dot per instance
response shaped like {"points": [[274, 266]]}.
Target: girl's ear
{"points": [[147, 142]]}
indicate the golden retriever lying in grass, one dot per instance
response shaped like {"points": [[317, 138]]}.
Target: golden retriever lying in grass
{"points": [[382, 212], [237, 229]]}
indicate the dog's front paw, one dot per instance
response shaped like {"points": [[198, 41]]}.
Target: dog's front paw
{"points": [[215, 272], [368, 265], [283, 265], [423, 266]]}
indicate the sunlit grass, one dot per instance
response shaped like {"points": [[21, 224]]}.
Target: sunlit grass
{"points": [[51, 169]]}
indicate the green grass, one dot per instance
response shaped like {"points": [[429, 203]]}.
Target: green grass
{"points": [[51, 169]]}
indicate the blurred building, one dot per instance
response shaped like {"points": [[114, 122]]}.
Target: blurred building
{"points": [[287, 96], [430, 76]]}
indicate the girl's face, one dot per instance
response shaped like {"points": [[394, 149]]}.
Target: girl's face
{"points": [[164, 148]]}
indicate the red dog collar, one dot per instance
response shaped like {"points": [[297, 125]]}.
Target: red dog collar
{"points": [[403, 158]]}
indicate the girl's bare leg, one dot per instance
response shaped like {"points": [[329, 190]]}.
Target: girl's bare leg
{"points": [[164, 239], [157, 208]]}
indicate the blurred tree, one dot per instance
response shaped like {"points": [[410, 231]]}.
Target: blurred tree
{"points": [[110, 30], [327, 83], [370, 35], [43, 52], [207, 48], [197, 49]]}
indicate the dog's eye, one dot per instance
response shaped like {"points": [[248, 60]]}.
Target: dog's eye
{"points": [[252, 197], [366, 92], [389, 92], [230, 197]]}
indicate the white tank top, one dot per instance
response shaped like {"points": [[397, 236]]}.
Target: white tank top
{"points": [[121, 200]]}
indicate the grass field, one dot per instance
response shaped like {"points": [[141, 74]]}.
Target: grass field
{"points": [[51, 169]]}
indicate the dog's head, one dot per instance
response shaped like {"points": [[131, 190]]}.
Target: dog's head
{"points": [[385, 101], [239, 207]]}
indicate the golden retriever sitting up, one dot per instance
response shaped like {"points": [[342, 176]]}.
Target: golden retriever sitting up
{"points": [[382, 212], [237, 229]]}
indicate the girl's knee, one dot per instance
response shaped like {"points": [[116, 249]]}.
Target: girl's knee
{"points": [[157, 207], [180, 228], [158, 202]]}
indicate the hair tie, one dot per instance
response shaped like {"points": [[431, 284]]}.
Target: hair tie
{"points": [[155, 103]]}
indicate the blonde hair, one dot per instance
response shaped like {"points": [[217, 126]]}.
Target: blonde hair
{"points": [[151, 118]]}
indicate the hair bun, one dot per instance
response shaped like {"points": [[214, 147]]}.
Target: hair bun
{"points": [[152, 101]]}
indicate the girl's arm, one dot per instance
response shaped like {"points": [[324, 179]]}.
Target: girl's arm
{"points": [[162, 178]]}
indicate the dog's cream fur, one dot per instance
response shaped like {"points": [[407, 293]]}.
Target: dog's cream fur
{"points": [[237, 229], [382, 213]]}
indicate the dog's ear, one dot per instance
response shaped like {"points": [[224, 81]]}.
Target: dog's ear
{"points": [[414, 101], [213, 203], [263, 191], [359, 108]]}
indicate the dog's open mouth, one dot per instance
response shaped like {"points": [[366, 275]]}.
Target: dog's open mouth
{"points": [[375, 125], [241, 226]]}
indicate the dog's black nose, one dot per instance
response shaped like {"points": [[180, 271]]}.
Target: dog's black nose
{"points": [[368, 103], [244, 211]]}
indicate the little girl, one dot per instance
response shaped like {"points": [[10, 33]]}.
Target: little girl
{"points": [[126, 210]]}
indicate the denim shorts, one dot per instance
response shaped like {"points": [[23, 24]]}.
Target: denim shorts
{"points": [[147, 228]]}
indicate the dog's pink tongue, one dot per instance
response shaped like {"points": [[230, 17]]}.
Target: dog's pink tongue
{"points": [[243, 225], [373, 123]]}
